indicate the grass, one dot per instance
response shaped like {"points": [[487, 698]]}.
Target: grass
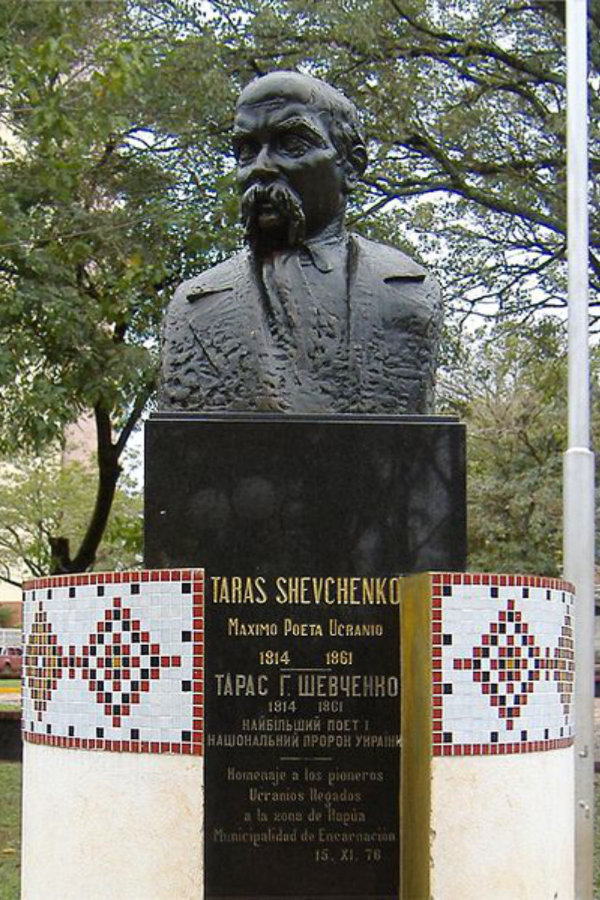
{"points": [[10, 830]]}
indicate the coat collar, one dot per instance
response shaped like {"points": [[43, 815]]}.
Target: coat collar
{"points": [[372, 262]]}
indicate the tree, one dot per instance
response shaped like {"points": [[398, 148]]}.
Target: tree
{"points": [[511, 393], [95, 228], [41, 497]]}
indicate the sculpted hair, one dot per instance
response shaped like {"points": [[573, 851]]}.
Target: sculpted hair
{"points": [[345, 127]]}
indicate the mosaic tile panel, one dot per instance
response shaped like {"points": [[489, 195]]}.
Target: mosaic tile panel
{"points": [[115, 661], [503, 664]]}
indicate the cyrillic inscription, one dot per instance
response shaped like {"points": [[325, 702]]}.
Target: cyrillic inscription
{"points": [[302, 737]]}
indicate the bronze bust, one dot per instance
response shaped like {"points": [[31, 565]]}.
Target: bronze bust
{"points": [[308, 318]]}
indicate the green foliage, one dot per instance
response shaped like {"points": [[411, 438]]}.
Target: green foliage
{"points": [[509, 387], [102, 155], [42, 498], [100, 213]]}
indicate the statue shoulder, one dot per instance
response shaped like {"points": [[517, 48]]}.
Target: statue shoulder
{"points": [[389, 262], [219, 278]]}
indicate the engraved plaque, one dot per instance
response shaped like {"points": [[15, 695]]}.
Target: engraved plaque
{"points": [[302, 738]]}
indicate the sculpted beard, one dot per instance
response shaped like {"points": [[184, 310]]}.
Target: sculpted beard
{"points": [[283, 200]]}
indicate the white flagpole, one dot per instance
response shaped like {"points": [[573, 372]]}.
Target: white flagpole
{"points": [[579, 460]]}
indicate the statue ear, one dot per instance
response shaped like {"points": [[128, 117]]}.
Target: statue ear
{"points": [[356, 163]]}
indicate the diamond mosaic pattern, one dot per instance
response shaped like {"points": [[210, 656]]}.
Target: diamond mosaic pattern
{"points": [[42, 664], [503, 664], [115, 661]]}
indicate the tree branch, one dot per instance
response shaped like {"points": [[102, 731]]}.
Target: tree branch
{"points": [[133, 417], [108, 475]]}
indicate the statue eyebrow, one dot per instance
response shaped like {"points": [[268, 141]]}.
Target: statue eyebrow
{"points": [[300, 124], [292, 123]]}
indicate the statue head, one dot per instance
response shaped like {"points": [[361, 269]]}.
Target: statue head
{"points": [[299, 152]]}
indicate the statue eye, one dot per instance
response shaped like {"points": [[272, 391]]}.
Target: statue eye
{"points": [[293, 144], [246, 151]]}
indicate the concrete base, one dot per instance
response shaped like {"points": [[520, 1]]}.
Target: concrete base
{"points": [[503, 827], [111, 826], [113, 801]]}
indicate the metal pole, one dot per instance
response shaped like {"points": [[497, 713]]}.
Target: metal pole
{"points": [[579, 460]]}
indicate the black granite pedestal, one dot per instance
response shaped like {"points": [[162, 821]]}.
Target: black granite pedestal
{"points": [[303, 526], [244, 494]]}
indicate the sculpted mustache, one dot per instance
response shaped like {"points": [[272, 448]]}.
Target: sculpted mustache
{"points": [[282, 198]]}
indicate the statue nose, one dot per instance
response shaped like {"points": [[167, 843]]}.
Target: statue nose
{"points": [[263, 163]]}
